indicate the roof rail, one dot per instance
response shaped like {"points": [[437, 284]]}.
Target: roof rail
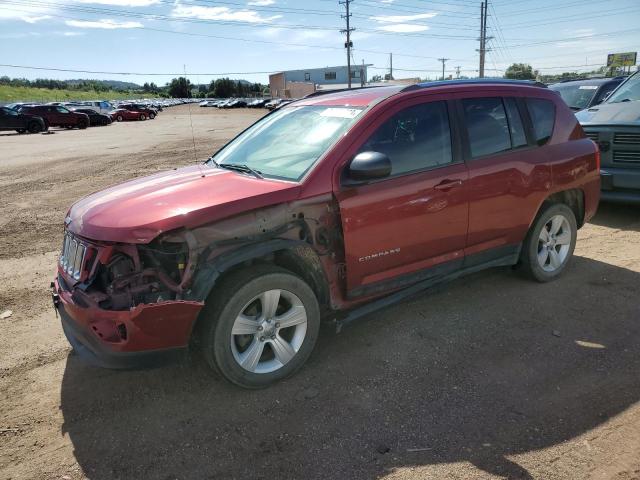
{"points": [[317, 93], [474, 81]]}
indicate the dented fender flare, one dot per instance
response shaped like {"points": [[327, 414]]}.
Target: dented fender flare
{"points": [[208, 273]]}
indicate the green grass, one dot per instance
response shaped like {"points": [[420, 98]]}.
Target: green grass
{"points": [[9, 94]]}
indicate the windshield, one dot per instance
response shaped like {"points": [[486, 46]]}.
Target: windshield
{"points": [[628, 91], [286, 143], [576, 96]]}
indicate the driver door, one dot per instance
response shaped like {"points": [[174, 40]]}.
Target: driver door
{"points": [[413, 224]]}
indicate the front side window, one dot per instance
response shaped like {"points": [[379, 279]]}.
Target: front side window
{"points": [[287, 143], [543, 114], [415, 138], [8, 112], [487, 126], [62, 109]]}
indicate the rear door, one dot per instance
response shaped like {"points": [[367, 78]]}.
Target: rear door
{"points": [[507, 172], [413, 224]]}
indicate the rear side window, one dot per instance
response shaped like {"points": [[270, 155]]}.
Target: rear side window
{"points": [[415, 138], [543, 115], [487, 126], [516, 129]]}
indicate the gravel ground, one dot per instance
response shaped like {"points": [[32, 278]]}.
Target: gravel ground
{"points": [[491, 376]]}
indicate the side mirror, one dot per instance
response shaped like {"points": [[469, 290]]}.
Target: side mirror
{"points": [[369, 166]]}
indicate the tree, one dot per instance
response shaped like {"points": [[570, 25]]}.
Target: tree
{"points": [[180, 88], [223, 88], [521, 71]]}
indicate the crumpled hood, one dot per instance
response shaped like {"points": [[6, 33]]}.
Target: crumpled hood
{"points": [[139, 210], [620, 113]]}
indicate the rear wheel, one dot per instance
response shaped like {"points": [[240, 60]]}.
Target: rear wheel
{"points": [[142, 117], [35, 127], [82, 124], [550, 243], [119, 118], [260, 326]]}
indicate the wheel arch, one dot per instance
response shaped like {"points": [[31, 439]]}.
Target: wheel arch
{"points": [[573, 198], [296, 256]]}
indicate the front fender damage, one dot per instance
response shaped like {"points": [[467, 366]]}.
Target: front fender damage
{"points": [[179, 268]]}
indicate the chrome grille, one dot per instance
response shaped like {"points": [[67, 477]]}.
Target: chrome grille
{"points": [[630, 138], [592, 135], [626, 157], [72, 256]]}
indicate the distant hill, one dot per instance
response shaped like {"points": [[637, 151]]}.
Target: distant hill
{"points": [[112, 84]]}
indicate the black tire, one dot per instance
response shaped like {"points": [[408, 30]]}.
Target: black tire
{"points": [[20, 130], [225, 304], [152, 116], [35, 127], [83, 124], [142, 117], [119, 118], [533, 246]]}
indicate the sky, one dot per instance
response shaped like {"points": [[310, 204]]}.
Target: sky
{"points": [[156, 40]]}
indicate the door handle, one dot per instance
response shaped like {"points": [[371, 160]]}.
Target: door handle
{"points": [[448, 184]]}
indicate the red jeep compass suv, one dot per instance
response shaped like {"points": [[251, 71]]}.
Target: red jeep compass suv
{"points": [[329, 207]]}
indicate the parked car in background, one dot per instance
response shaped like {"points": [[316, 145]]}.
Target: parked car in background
{"points": [[21, 122], [145, 110], [57, 116], [122, 114], [273, 104], [259, 103], [331, 207], [95, 118], [615, 126], [585, 93]]}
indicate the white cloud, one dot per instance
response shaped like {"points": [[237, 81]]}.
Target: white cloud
{"points": [[404, 28], [387, 1], [262, 3], [122, 3], [104, 24], [402, 18], [29, 19], [29, 14], [220, 13], [72, 34]]}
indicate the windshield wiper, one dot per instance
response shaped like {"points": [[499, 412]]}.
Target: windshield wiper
{"points": [[241, 167]]}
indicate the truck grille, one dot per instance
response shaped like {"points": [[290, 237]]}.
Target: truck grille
{"points": [[592, 135], [626, 157], [72, 256], [631, 138]]}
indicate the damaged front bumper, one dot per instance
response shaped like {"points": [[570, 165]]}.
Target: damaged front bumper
{"points": [[143, 336]]}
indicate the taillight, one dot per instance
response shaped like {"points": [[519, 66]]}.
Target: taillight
{"points": [[597, 156]]}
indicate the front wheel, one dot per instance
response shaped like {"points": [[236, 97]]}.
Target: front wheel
{"points": [[550, 243], [119, 118], [143, 117], [152, 116], [260, 326]]}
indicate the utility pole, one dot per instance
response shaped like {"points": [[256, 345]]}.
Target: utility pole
{"points": [[348, 44], [443, 60], [458, 71], [390, 66], [484, 8]]}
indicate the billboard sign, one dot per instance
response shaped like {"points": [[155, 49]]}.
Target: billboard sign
{"points": [[627, 59]]}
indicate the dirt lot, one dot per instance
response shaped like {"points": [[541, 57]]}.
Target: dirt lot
{"points": [[489, 377]]}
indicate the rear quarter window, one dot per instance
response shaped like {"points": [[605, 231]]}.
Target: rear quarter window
{"points": [[543, 116]]}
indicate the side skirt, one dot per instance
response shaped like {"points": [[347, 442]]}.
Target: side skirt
{"points": [[375, 305]]}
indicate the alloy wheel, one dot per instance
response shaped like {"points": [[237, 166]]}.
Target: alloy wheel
{"points": [[554, 243], [269, 331]]}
